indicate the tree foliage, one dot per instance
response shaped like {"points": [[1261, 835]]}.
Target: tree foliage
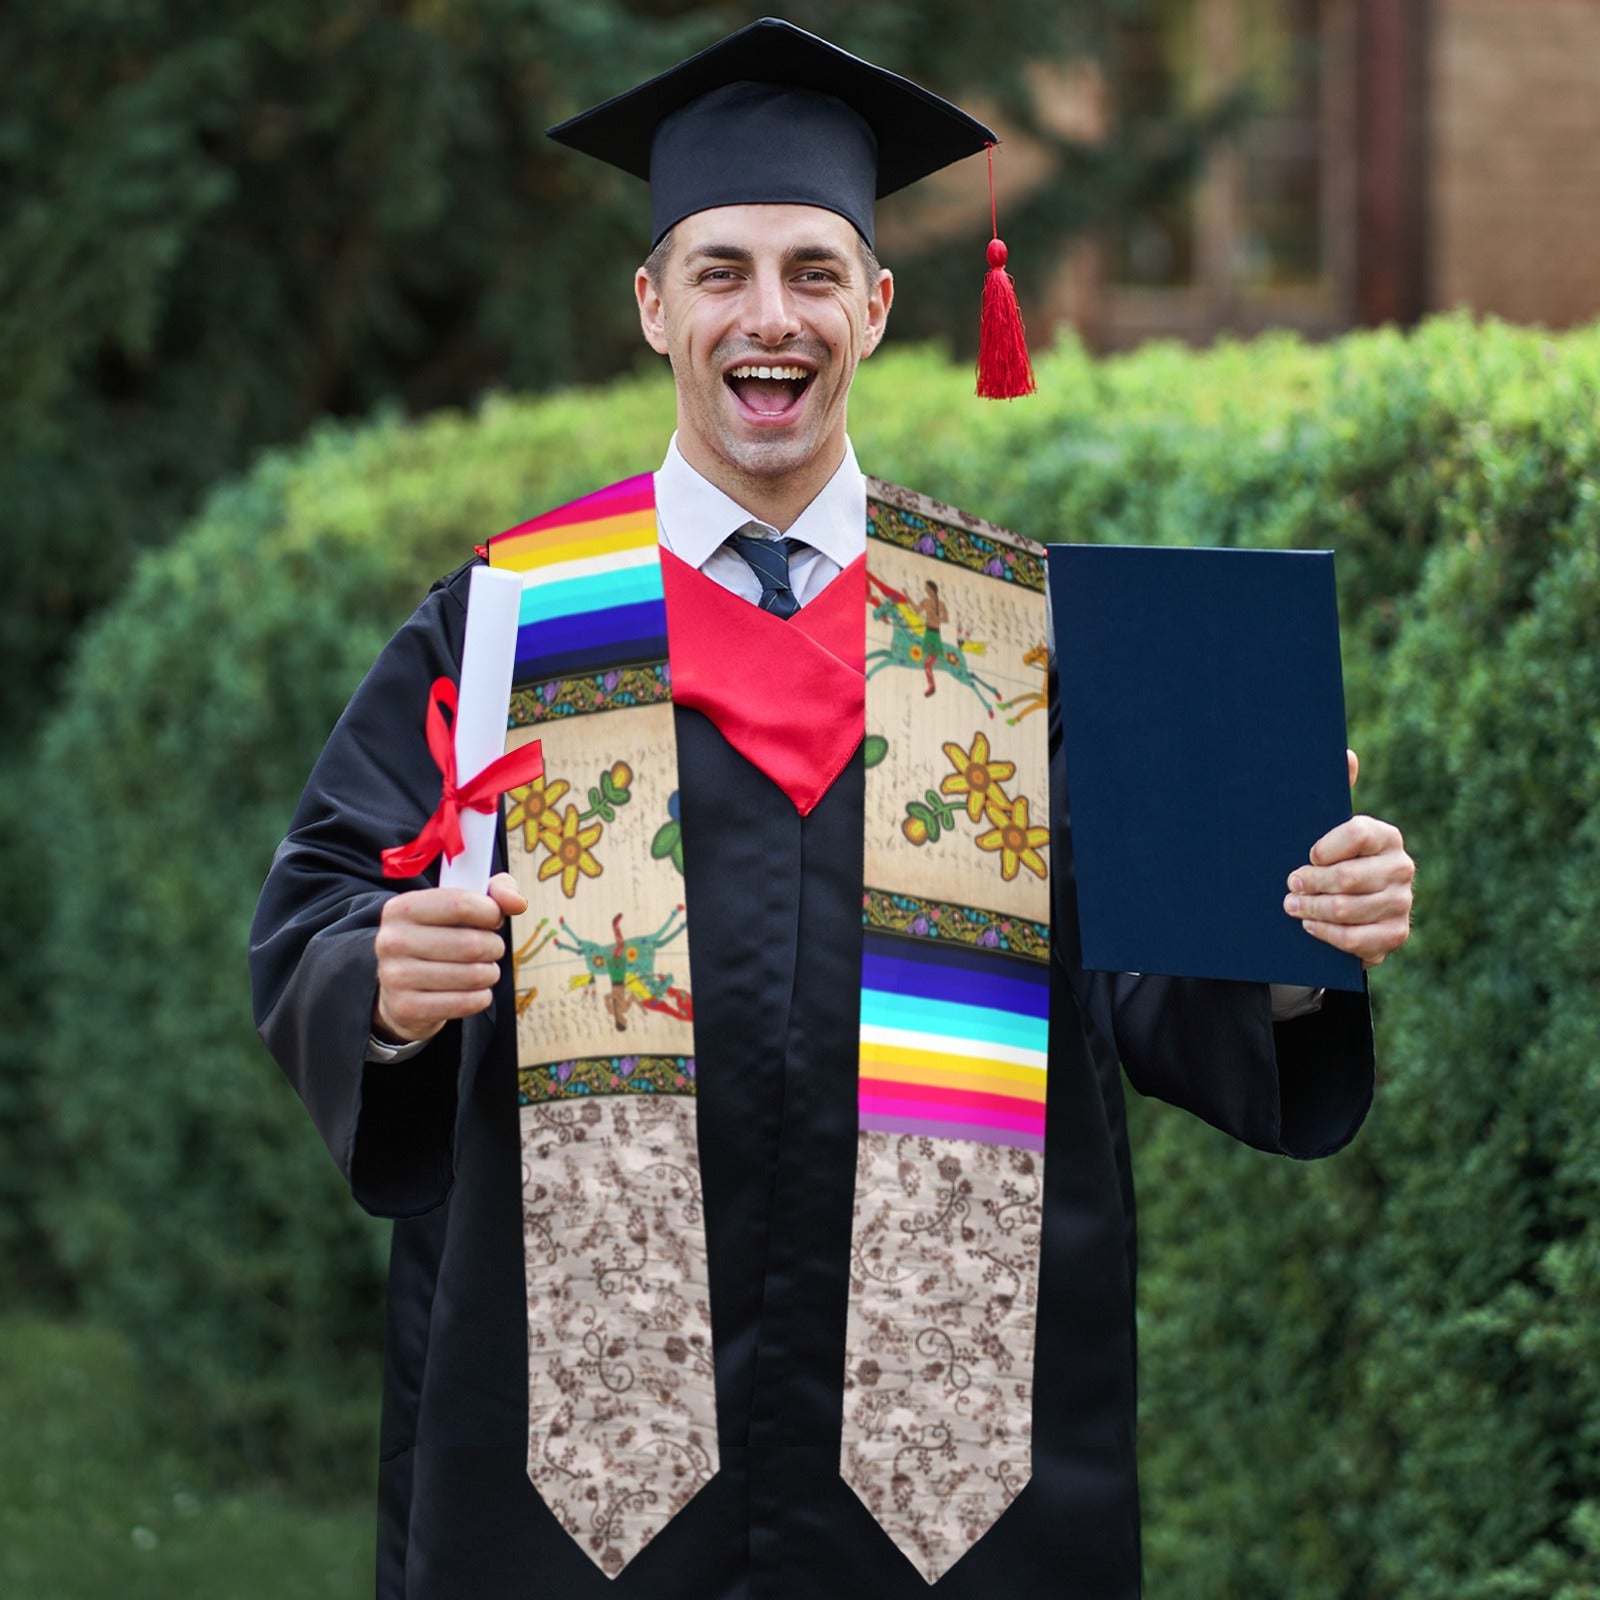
{"points": [[218, 224]]}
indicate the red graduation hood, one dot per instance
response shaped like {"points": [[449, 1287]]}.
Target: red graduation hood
{"points": [[789, 696]]}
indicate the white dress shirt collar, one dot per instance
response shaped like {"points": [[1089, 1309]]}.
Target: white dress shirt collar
{"points": [[696, 517]]}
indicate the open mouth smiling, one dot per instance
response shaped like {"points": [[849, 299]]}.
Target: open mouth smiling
{"points": [[768, 390]]}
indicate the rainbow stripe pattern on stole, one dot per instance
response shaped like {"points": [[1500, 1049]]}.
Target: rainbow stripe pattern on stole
{"points": [[953, 1042], [598, 603]]}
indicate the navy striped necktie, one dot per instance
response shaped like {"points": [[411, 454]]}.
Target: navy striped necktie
{"points": [[769, 560]]}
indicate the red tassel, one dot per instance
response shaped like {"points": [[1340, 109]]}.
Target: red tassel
{"points": [[1004, 370]]}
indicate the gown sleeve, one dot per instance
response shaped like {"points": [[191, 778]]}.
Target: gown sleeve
{"points": [[313, 965], [1300, 1088]]}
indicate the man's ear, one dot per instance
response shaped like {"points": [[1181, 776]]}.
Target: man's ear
{"points": [[878, 303], [652, 315]]}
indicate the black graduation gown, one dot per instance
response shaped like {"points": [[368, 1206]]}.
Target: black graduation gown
{"points": [[775, 904]]}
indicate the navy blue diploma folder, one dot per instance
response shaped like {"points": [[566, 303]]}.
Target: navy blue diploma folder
{"points": [[1202, 710]]}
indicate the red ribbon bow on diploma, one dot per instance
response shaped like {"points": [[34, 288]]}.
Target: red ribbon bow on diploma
{"points": [[442, 831]]}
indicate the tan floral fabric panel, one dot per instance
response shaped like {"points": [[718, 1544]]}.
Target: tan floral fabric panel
{"points": [[962, 746], [943, 1295], [602, 953], [621, 1409]]}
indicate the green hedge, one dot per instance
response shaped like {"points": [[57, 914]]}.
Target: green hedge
{"points": [[1369, 1378], [196, 1209]]}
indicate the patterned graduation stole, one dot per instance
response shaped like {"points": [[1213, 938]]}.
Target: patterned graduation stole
{"points": [[944, 1256]]}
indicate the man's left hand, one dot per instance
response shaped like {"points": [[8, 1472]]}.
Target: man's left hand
{"points": [[1355, 893]]}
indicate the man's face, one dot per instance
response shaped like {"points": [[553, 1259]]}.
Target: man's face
{"points": [[764, 311]]}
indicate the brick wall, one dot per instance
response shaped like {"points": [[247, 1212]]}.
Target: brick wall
{"points": [[1514, 161]]}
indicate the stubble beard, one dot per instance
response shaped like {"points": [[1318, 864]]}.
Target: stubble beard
{"points": [[767, 459]]}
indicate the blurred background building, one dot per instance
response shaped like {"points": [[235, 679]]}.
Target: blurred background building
{"points": [[1393, 158]]}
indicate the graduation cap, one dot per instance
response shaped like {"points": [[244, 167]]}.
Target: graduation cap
{"points": [[773, 115]]}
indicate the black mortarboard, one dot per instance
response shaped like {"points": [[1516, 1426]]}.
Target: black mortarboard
{"points": [[774, 115]]}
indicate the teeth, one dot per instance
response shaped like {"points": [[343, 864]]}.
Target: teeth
{"points": [[797, 374]]}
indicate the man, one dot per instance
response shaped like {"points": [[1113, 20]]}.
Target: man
{"points": [[676, 1363], [934, 614]]}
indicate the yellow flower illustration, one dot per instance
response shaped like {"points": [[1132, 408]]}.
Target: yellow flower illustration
{"points": [[997, 807], [977, 777], [569, 852], [1016, 841], [533, 810]]}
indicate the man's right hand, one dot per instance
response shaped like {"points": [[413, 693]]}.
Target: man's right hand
{"points": [[438, 957]]}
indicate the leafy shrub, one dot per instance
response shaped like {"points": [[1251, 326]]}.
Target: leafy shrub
{"points": [[201, 1215], [1373, 1377]]}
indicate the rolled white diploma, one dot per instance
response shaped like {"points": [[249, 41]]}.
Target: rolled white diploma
{"points": [[494, 606]]}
